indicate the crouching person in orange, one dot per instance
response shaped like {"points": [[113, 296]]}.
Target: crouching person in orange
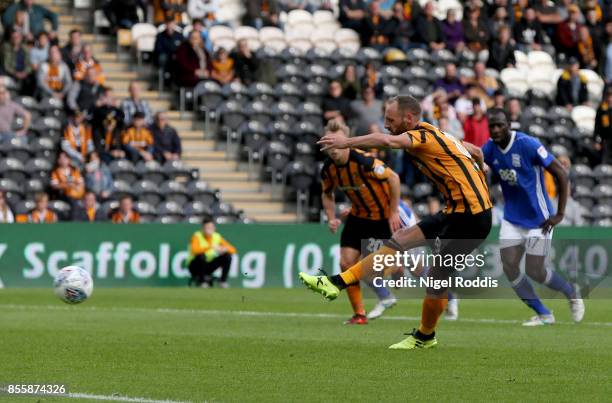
{"points": [[208, 252]]}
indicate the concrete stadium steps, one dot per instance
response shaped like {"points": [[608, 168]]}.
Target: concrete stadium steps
{"points": [[204, 154]]}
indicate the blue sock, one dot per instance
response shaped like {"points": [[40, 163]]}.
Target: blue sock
{"points": [[451, 296], [525, 292], [556, 282], [381, 292]]}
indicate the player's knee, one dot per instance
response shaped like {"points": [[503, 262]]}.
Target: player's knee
{"points": [[346, 263], [536, 273]]}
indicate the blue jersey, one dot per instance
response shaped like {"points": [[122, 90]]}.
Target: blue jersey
{"points": [[406, 215], [520, 168]]}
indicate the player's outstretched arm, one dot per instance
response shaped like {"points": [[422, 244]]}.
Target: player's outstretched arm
{"points": [[560, 175], [380, 140]]}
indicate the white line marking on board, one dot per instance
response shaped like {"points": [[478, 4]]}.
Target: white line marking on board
{"points": [[263, 313]]}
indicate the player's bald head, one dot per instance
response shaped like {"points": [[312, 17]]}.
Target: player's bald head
{"points": [[406, 104]]}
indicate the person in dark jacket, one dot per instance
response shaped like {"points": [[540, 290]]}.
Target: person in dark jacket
{"points": [[166, 141], [400, 28], [123, 13], [501, 54], [166, 44], [245, 63], [603, 127], [528, 32], [193, 62], [37, 15], [572, 86], [428, 29]]}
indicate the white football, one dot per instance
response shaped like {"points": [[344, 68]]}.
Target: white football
{"points": [[73, 285]]}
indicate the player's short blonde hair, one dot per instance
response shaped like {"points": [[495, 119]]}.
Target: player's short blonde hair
{"points": [[335, 125]]}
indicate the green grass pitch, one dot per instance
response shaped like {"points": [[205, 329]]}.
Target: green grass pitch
{"points": [[275, 345]]}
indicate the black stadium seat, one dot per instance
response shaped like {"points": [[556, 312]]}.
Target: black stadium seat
{"points": [[39, 168], [603, 173], [174, 191], [62, 209], [201, 192], [151, 171], [14, 191], [14, 169], [198, 208], [147, 191], [124, 170]]}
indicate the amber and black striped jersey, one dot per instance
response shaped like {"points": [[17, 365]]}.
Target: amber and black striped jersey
{"points": [[364, 181], [446, 162]]}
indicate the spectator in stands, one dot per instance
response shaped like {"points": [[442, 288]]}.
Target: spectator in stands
{"points": [[89, 211], [486, 84], [166, 44], [199, 26], [453, 31], [22, 26], [368, 110], [137, 140], [499, 99], [528, 32], [135, 104], [351, 86], [464, 106], [586, 49], [400, 29], [87, 62], [108, 123], [172, 10], [41, 214], [448, 121], [39, 53], [371, 79], [16, 63], [607, 54], [6, 214], [476, 126], [53, 77], [98, 177], [514, 115], [37, 15], [123, 13], [208, 252], [78, 140], [204, 10], [71, 53], [548, 14], [475, 31], [501, 53], [222, 67], [336, 106], [500, 19], [166, 141], [125, 214], [428, 30], [84, 94], [66, 180], [603, 127], [352, 13], [567, 33], [9, 110], [245, 63], [596, 30], [572, 86], [451, 83], [376, 27], [192, 61], [262, 13]]}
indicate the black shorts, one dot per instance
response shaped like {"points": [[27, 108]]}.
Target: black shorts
{"points": [[357, 229], [454, 234]]}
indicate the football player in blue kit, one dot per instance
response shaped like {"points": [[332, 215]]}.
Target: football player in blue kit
{"points": [[519, 161]]}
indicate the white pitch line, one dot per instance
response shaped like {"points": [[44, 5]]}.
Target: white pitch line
{"points": [[111, 398], [115, 398], [263, 313]]}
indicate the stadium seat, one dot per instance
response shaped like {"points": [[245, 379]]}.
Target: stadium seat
{"points": [[123, 170], [419, 57], [319, 56], [515, 81], [422, 191], [231, 115], [392, 75], [308, 131], [151, 171], [595, 85], [145, 209], [31, 187], [200, 191], [443, 57], [52, 107], [47, 127], [299, 177], [310, 112], [285, 111], [197, 208], [39, 168], [109, 206], [347, 39], [177, 170], [235, 91], [23, 207], [522, 60], [147, 191], [272, 37], [276, 157], [603, 194], [584, 117], [369, 55], [12, 168], [170, 208], [250, 34], [219, 32], [305, 152], [207, 98], [120, 189], [174, 191], [323, 17], [539, 61], [62, 209], [17, 148], [583, 175], [298, 16], [262, 92], [288, 92], [343, 56], [13, 190], [603, 174]]}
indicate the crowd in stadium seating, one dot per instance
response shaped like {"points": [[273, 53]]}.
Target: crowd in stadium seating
{"points": [[455, 65], [95, 127]]}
